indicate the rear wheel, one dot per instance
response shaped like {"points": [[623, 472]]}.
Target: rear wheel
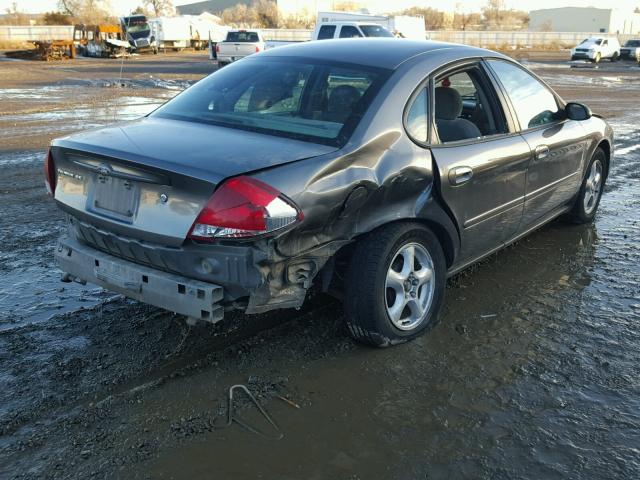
{"points": [[394, 285], [615, 57], [588, 200], [597, 58]]}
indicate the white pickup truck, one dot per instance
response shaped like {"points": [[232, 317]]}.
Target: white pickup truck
{"points": [[242, 43], [239, 44]]}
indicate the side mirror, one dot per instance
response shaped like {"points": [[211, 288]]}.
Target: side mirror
{"points": [[577, 111]]}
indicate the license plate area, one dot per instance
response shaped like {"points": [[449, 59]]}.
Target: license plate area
{"points": [[114, 197], [118, 275]]}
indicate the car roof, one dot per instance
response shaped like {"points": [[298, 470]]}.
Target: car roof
{"points": [[386, 53]]}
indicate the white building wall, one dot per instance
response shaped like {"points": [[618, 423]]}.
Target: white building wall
{"points": [[625, 23], [571, 19], [589, 19]]}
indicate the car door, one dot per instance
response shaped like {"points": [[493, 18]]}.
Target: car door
{"points": [[481, 162], [558, 145]]}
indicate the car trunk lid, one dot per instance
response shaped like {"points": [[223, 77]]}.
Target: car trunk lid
{"points": [[150, 179]]}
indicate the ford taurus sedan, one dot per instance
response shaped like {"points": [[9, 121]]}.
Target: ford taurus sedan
{"points": [[372, 169]]}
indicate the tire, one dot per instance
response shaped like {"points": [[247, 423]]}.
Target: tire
{"points": [[597, 58], [615, 57], [370, 296], [588, 199]]}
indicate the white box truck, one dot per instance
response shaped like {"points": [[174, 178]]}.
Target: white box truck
{"points": [[400, 25], [187, 31]]}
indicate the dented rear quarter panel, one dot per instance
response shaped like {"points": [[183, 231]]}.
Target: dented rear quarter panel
{"points": [[379, 176]]}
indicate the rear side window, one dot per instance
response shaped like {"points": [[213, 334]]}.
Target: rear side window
{"points": [[249, 37], [417, 118], [349, 31], [533, 102], [326, 32]]}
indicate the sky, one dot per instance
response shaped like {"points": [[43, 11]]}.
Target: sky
{"points": [[121, 7]]}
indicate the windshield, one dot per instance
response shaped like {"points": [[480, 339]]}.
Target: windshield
{"points": [[251, 37], [596, 41], [314, 102], [632, 43], [375, 31]]}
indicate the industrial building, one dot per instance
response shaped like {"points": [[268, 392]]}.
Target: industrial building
{"points": [[585, 19]]}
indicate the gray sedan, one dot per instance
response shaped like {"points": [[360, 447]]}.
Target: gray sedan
{"points": [[371, 169]]}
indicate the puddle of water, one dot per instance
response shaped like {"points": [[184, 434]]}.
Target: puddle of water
{"points": [[34, 294]]}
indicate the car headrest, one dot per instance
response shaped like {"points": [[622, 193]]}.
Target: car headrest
{"points": [[343, 98], [448, 103]]}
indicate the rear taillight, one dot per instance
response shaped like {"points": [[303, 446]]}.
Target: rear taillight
{"points": [[50, 174], [257, 48], [217, 48], [244, 207]]}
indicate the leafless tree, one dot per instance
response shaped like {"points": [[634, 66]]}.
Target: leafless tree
{"points": [[497, 17], [15, 16], [160, 7], [87, 11], [261, 14]]}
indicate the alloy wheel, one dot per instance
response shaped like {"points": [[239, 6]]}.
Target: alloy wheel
{"points": [[593, 187], [409, 286]]}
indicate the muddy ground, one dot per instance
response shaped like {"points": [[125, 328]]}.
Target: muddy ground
{"points": [[533, 372]]}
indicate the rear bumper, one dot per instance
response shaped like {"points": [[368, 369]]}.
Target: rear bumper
{"points": [[193, 298]]}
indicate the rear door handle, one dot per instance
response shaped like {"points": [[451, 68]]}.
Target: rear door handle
{"points": [[542, 152], [460, 175]]}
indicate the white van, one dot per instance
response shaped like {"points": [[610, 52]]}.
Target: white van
{"points": [[596, 49]]}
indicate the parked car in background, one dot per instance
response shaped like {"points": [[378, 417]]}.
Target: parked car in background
{"points": [[596, 49], [371, 168], [631, 50], [239, 44]]}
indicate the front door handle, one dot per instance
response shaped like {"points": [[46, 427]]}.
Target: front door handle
{"points": [[460, 175], [542, 152]]}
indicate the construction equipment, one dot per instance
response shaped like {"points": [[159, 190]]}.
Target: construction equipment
{"points": [[46, 50], [103, 41]]}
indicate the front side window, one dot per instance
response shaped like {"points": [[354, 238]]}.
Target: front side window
{"points": [[533, 102], [349, 31], [308, 101], [326, 32]]}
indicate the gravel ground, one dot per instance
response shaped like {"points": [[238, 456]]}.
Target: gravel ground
{"points": [[533, 371]]}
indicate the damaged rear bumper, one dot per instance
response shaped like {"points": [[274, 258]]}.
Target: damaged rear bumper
{"points": [[193, 298]]}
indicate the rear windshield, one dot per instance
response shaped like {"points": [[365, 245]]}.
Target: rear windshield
{"points": [[316, 102], [251, 37], [375, 31]]}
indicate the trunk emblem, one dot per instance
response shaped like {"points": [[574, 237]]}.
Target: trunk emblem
{"points": [[164, 197]]}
